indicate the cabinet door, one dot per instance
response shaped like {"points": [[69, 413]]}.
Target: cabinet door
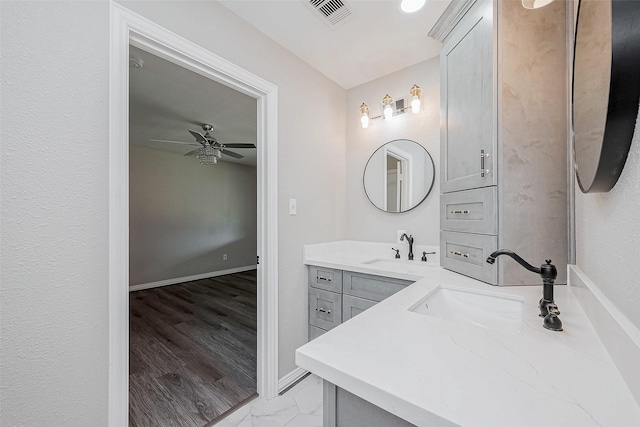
{"points": [[467, 103], [352, 306]]}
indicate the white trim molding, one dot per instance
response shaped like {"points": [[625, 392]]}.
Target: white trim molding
{"points": [[620, 337], [291, 378], [129, 28], [175, 281]]}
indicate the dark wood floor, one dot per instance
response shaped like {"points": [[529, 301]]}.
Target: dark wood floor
{"points": [[192, 350]]}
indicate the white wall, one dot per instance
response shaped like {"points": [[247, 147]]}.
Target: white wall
{"points": [[608, 237], [53, 186], [184, 216], [54, 191], [365, 221]]}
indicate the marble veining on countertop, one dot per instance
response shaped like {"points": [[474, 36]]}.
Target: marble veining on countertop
{"points": [[436, 372]]}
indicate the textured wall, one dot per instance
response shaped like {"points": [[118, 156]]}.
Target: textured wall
{"points": [[184, 216], [532, 130], [608, 237], [311, 143], [365, 221], [53, 187]]}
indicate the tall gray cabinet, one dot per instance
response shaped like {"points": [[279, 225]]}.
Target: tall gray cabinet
{"points": [[504, 112]]}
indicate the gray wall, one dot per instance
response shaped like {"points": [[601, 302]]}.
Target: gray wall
{"points": [[54, 189], [184, 216], [608, 237], [365, 221]]}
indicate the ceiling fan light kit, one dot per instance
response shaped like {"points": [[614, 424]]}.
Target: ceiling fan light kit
{"points": [[209, 150]]}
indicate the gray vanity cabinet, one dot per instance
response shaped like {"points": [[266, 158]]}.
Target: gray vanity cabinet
{"points": [[466, 72], [504, 110], [336, 296]]}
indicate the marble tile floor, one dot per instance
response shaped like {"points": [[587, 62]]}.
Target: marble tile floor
{"points": [[301, 406]]}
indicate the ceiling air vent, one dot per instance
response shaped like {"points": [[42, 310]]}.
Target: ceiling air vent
{"points": [[332, 12]]}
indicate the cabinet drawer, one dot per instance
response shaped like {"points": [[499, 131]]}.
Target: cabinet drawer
{"points": [[328, 279], [352, 306], [325, 308], [315, 332], [467, 253], [371, 287], [471, 211]]}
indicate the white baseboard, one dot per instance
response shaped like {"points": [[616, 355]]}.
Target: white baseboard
{"points": [[620, 337], [291, 378], [177, 280]]}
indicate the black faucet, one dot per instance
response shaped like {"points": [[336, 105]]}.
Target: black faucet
{"points": [[410, 241], [425, 253], [548, 308]]}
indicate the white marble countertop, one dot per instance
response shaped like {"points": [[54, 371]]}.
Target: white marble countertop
{"points": [[437, 372]]}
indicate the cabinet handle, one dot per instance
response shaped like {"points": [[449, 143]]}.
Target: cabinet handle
{"points": [[466, 212], [325, 278], [323, 310], [459, 254], [483, 156]]}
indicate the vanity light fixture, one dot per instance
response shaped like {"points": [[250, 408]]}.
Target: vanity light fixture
{"points": [[390, 108], [411, 6], [415, 92], [364, 115], [535, 4], [387, 109]]}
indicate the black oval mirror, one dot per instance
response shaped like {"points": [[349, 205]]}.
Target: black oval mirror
{"points": [[606, 90]]}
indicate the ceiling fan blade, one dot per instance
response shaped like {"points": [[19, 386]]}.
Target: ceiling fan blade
{"points": [[192, 152], [199, 137], [232, 154], [239, 145], [174, 142]]}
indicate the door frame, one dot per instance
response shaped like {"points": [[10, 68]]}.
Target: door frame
{"points": [[129, 28]]}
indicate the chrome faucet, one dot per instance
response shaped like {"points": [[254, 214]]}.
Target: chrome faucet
{"points": [[548, 308], [410, 241]]}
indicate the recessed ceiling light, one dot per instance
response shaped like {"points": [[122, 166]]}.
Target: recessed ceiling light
{"points": [[410, 6]]}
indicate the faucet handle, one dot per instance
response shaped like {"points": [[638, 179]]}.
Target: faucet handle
{"points": [[397, 252]]}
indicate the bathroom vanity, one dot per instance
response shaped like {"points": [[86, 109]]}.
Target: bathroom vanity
{"points": [[336, 296], [396, 364]]}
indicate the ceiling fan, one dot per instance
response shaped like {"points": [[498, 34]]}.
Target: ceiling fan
{"points": [[209, 149]]}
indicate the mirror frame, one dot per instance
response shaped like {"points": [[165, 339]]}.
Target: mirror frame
{"points": [[433, 180], [624, 96]]}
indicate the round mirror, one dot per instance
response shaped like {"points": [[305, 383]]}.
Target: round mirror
{"points": [[606, 90], [399, 176]]}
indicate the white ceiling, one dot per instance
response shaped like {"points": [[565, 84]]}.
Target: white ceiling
{"points": [[166, 100], [378, 39]]}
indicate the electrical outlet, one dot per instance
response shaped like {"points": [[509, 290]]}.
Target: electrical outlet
{"points": [[293, 207], [224, 257], [400, 233]]}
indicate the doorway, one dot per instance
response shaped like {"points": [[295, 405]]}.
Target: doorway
{"points": [[130, 29], [192, 245]]}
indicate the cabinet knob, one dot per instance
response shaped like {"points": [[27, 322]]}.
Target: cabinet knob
{"points": [[323, 310]]}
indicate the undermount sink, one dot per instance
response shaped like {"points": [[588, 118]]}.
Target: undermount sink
{"points": [[487, 309]]}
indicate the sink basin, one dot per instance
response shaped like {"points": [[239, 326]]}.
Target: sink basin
{"points": [[487, 309], [394, 263]]}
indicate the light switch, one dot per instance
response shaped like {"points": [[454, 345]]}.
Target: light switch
{"points": [[293, 209]]}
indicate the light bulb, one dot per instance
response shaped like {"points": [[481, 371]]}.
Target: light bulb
{"points": [[364, 120], [415, 104], [388, 112], [410, 6]]}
